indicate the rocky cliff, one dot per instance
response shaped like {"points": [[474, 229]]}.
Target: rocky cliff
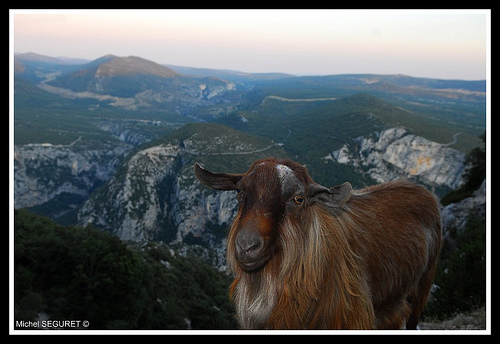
{"points": [[45, 171], [154, 195], [395, 153], [454, 216]]}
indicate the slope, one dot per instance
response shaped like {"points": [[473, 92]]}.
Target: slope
{"points": [[107, 75], [155, 195]]}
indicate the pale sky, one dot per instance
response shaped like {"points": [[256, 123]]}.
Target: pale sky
{"points": [[447, 44]]}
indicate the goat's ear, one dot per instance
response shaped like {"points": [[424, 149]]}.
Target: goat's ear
{"points": [[334, 197], [217, 181]]}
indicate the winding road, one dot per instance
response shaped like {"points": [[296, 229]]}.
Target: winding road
{"points": [[455, 138]]}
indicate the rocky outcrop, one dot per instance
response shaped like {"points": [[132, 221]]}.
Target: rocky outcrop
{"points": [[155, 197], [44, 171], [153, 193], [394, 153], [455, 215]]}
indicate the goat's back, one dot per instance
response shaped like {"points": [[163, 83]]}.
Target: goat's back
{"points": [[398, 238]]}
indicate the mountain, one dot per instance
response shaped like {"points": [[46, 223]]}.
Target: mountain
{"points": [[134, 84], [232, 75], [154, 195], [75, 124], [34, 57], [435, 109], [142, 197], [112, 143], [37, 68], [394, 153], [55, 179], [132, 65], [104, 76]]}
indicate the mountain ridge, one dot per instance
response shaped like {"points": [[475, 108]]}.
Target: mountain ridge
{"points": [[154, 195], [340, 111], [400, 79], [132, 83], [132, 65], [107, 73]]}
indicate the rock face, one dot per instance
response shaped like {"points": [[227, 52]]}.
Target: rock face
{"points": [[394, 153], [154, 195], [455, 215], [45, 171]]}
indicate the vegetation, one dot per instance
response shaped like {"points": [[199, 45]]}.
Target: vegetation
{"points": [[461, 274], [84, 273], [474, 175], [75, 273]]}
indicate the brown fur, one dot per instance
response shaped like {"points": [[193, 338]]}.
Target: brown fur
{"points": [[366, 264]]}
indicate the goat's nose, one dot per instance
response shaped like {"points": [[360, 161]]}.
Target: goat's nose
{"points": [[249, 243]]}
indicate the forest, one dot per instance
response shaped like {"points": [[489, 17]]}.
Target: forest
{"points": [[75, 273]]}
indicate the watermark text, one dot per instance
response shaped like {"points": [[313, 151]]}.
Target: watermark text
{"points": [[52, 324]]}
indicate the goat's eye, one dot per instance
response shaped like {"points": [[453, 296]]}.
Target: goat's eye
{"points": [[298, 199]]}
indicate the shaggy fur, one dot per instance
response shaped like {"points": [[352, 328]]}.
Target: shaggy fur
{"points": [[361, 260]]}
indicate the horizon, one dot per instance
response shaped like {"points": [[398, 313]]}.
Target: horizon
{"points": [[167, 65], [444, 44]]}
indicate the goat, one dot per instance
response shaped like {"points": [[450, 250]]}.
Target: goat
{"points": [[309, 257]]}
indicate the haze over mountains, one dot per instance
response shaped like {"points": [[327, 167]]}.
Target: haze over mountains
{"points": [[112, 141]]}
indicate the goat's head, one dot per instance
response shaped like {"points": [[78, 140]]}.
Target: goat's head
{"points": [[271, 192]]}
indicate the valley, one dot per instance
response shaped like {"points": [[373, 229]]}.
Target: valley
{"points": [[111, 143], [125, 104]]}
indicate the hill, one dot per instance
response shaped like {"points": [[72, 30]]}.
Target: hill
{"points": [[154, 195], [104, 76], [437, 109], [232, 75], [132, 65], [131, 83], [115, 76], [38, 58], [119, 103]]}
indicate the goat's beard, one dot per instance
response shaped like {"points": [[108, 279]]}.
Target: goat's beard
{"points": [[296, 257]]}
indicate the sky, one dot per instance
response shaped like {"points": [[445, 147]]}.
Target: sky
{"points": [[445, 44]]}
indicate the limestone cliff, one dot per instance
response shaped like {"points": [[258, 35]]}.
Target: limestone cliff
{"points": [[154, 195], [45, 171], [394, 153], [455, 215]]}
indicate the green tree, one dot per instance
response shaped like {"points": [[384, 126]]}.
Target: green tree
{"points": [[474, 175], [76, 273], [461, 274]]}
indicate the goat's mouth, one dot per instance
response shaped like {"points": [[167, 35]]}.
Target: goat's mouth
{"points": [[253, 265]]}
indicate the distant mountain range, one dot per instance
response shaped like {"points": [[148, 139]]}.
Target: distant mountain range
{"points": [[112, 141], [151, 91]]}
